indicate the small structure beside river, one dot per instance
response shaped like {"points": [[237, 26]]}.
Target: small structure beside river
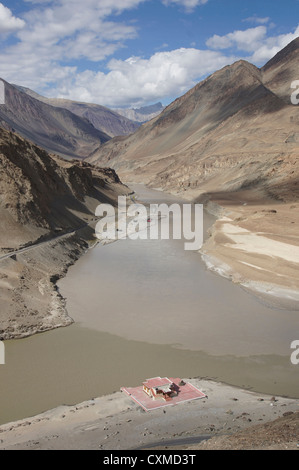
{"points": [[158, 392]]}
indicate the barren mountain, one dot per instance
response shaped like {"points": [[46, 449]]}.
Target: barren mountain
{"points": [[231, 142], [102, 118], [238, 113], [141, 115], [280, 71], [202, 140], [47, 208], [55, 129], [280, 434]]}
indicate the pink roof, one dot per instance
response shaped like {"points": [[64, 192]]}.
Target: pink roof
{"points": [[186, 392], [157, 382]]}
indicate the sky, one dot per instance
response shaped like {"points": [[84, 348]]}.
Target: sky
{"points": [[132, 53]]}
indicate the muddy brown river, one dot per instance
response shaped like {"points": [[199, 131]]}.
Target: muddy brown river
{"points": [[144, 308]]}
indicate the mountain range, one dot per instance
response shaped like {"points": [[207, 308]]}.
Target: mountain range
{"points": [[64, 127], [143, 114], [104, 119], [239, 118], [55, 129], [231, 142], [113, 122]]}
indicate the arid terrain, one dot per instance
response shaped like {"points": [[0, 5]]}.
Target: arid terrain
{"points": [[280, 434], [141, 115], [102, 118], [54, 129], [229, 418], [47, 214], [231, 143]]}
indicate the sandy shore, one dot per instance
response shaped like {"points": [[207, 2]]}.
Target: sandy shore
{"points": [[255, 243], [116, 422]]}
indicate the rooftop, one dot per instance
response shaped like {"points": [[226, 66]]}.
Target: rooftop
{"points": [[157, 382], [186, 392]]}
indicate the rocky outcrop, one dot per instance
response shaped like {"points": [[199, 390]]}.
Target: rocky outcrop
{"points": [[47, 209]]}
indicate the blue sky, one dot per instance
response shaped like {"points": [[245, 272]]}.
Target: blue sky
{"points": [[129, 53]]}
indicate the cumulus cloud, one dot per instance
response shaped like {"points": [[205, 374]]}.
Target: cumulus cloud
{"points": [[138, 81], [62, 45], [63, 31], [254, 41], [272, 45], [189, 5], [257, 19], [8, 22], [68, 21], [243, 40]]}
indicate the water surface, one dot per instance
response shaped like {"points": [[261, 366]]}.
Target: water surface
{"points": [[142, 309]]}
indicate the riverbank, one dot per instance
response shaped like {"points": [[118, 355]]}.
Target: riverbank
{"points": [[31, 302], [227, 337], [254, 242], [115, 422]]}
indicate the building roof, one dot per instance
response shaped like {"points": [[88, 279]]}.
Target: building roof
{"points": [[157, 382], [186, 393]]}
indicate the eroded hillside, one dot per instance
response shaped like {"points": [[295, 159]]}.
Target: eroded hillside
{"points": [[47, 211]]}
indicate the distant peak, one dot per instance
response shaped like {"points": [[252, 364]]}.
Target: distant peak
{"points": [[151, 108]]}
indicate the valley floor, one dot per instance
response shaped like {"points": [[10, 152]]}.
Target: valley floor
{"points": [[115, 422], [254, 244]]}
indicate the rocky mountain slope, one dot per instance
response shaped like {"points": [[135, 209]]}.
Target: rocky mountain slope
{"points": [[281, 434], [143, 114], [55, 129], [281, 70], [207, 138], [47, 208], [104, 119]]}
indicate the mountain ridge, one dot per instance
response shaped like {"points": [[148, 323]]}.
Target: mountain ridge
{"points": [[143, 114], [102, 118], [189, 128], [57, 130]]}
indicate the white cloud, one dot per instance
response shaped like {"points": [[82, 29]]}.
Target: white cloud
{"points": [[58, 34], [8, 22], [246, 40], [64, 31], [68, 19], [189, 5], [254, 41], [137, 81], [271, 46], [257, 20]]}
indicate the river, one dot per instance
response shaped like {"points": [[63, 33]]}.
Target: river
{"points": [[144, 308]]}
